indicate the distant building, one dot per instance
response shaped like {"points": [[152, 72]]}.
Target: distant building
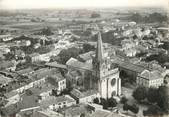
{"points": [[150, 79]]}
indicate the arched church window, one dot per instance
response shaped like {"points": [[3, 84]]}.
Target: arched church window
{"points": [[113, 81]]}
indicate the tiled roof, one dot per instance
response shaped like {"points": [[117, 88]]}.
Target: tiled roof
{"points": [[4, 80], [55, 100], [77, 64], [151, 75], [132, 67], [100, 113], [79, 94], [87, 56]]}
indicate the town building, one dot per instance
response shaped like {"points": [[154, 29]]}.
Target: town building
{"points": [[150, 78], [85, 96], [105, 76], [54, 103]]}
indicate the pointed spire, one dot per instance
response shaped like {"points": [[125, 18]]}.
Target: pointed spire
{"points": [[99, 49]]}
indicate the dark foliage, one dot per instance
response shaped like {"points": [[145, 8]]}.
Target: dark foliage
{"points": [[163, 101], [96, 100], [152, 95], [95, 15], [134, 108], [140, 93], [123, 100], [65, 55], [112, 102], [87, 47], [153, 17]]}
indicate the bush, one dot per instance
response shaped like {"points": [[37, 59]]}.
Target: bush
{"points": [[29, 92], [104, 103], [123, 100], [95, 15], [96, 100], [140, 93], [152, 95], [133, 108], [112, 102]]}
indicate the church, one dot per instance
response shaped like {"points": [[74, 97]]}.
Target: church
{"points": [[100, 75]]}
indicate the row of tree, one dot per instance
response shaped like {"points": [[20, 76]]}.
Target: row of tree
{"points": [[151, 18], [111, 102]]}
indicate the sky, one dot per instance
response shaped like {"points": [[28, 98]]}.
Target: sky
{"points": [[29, 4]]}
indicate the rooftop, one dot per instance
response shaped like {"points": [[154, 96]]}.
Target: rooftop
{"points": [[151, 75], [100, 113], [77, 64], [4, 80], [50, 113], [79, 94], [56, 65], [55, 100], [87, 56]]}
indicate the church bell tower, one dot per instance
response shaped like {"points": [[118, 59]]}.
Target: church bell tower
{"points": [[106, 78]]}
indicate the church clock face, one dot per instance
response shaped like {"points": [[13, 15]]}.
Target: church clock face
{"points": [[113, 81]]}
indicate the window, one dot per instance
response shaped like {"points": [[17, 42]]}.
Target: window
{"points": [[113, 81]]}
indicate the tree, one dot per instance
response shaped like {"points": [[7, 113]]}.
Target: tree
{"points": [[87, 47], [82, 115], [112, 102], [95, 15], [96, 100], [163, 100], [140, 93], [152, 95], [125, 107], [46, 31], [134, 108], [65, 55], [123, 100], [104, 103]]}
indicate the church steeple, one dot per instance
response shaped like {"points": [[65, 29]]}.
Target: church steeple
{"points": [[99, 49]]}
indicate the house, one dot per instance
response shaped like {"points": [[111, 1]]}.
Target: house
{"points": [[10, 111], [34, 57], [25, 72], [58, 81], [150, 78], [8, 65], [6, 37], [86, 57], [75, 78], [130, 69], [84, 97], [36, 78], [4, 80], [77, 111], [76, 64], [54, 103]]}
